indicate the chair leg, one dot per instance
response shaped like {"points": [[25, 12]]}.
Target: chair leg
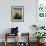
{"points": [[5, 43], [5, 40]]}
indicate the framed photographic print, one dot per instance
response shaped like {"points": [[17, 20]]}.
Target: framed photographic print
{"points": [[41, 8], [41, 12], [17, 13]]}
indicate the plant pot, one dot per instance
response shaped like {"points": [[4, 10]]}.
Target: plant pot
{"points": [[40, 41]]}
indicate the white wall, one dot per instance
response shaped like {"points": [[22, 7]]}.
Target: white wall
{"points": [[29, 15]]}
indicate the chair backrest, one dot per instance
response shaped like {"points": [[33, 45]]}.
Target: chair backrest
{"points": [[14, 30]]}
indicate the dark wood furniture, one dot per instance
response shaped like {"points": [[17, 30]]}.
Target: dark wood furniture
{"points": [[7, 35], [27, 37]]}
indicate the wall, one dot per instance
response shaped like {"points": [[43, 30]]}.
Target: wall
{"points": [[29, 15]]}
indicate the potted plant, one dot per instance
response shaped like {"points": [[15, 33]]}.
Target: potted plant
{"points": [[39, 35]]}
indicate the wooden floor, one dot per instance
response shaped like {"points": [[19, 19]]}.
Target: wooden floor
{"points": [[13, 44]]}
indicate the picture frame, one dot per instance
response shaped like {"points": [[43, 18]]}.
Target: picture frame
{"points": [[17, 13], [41, 12], [41, 9]]}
